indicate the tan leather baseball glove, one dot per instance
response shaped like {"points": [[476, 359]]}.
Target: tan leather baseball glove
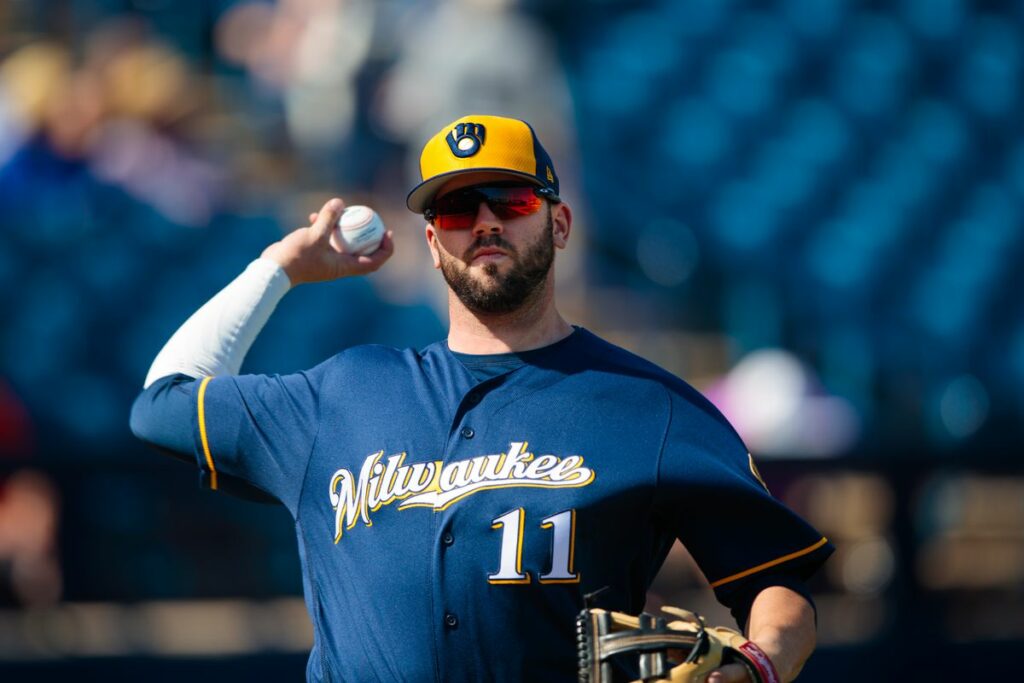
{"points": [[681, 650]]}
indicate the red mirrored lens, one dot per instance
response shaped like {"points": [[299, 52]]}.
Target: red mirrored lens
{"points": [[454, 221], [458, 210]]}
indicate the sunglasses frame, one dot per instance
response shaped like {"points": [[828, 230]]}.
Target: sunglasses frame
{"points": [[543, 192]]}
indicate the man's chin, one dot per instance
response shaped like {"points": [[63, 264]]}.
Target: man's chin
{"points": [[489, 270], [485, 272]]}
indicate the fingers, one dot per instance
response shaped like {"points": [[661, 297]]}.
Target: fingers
{"points": [[372, 262], [312, 218], [326, 218], [731, 673], [346, 265]]}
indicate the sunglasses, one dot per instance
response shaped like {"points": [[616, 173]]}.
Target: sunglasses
{"points": [[457, 210]]}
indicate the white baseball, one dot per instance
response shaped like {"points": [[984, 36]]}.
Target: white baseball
{"points": [[359, 231]]}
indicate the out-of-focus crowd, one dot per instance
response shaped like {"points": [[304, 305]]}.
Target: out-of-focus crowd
{"points": [[118, 138], [147, 155]]}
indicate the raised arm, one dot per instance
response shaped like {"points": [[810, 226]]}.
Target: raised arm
{"points": [[216, 338]]}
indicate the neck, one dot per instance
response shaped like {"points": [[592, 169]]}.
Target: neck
{"points": [[537, 323]]}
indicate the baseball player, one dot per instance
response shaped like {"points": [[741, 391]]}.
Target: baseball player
{"points": [[454, 504]]}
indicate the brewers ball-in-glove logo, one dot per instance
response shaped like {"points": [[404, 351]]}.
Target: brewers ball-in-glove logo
{"points": [[465, 139]]}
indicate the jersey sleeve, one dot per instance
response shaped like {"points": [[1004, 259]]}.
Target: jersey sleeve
{"points": [[258, 428], [161, 415], [713, 500]]}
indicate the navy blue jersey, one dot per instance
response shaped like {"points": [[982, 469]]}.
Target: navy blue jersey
{"points": [[449, 527]]}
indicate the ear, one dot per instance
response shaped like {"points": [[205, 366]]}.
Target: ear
{"points": [[431, 234], [561, 219]]}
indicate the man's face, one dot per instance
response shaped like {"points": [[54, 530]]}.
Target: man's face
{"points": [[489, 281], [496, 266]]}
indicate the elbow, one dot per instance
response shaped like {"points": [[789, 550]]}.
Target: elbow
{"points": [[139, 418], [153, 408], [160, 416]]}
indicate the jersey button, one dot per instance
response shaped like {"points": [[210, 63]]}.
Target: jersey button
{"points": [[448, 539], [468, 433], [450, 620]]}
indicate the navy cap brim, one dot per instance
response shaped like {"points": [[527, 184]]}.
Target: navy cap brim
{"points": [[422, 196]]}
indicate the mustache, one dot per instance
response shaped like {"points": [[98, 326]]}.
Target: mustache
{"points": [[489, 241]]}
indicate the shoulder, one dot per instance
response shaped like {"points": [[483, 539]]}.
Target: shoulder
{"points": [[687, 403], [378, 357], [373, 353]]}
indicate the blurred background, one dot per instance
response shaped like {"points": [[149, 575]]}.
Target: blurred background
{"points": [[809, 209]]}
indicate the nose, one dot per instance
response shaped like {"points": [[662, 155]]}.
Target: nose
{"points": [[486, 223]]}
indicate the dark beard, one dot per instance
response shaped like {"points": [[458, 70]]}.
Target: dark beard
{"points": [[499, 294]]}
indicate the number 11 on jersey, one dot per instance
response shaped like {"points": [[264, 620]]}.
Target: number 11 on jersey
{"points": [[563, 548]]}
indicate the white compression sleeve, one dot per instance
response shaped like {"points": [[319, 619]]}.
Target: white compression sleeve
{"points": [[216, 338]]}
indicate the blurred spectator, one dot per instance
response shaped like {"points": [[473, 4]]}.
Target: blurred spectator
{"points": [[30, 79], [30, 575], [149, 94], [117, 112], [310, 51], [482, 56]]}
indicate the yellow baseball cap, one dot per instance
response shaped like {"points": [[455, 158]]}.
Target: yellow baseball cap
{"points": [[482, 143]]}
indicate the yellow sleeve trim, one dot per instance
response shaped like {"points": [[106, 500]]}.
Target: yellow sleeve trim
{"points": [[202, 432], [778, 560]]}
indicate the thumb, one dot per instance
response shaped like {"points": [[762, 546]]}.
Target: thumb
{"points": [[327, 218]]}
